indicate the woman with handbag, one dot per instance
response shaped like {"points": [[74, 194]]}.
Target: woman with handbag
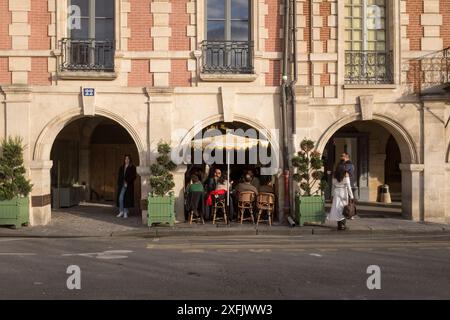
{"points": [[341, 191]]}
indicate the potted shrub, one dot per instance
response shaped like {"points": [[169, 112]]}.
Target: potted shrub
{"points": [[309, 199], [14, 187], [161, 200]]}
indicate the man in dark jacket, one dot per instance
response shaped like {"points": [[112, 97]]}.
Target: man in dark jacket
{"points": [[125, 184]]}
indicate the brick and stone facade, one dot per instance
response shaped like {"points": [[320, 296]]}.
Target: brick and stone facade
{"points": [[157, 87]]}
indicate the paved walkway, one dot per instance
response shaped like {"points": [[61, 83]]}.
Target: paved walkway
{"points": [[94, 220]]}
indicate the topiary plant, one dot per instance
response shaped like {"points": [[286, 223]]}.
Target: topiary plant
{"points": [[13, 182], [309, 165], [161, 180]]}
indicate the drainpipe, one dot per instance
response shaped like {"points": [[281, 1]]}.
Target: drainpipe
{"points": [[294, 81], [284, 86]]}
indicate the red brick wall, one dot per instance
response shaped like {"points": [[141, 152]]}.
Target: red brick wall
{"points": [[307, 29], [325, 33], [140, 75], [5, 75], [274, 22], [414, 30], [179, 76], [5, 21], [140, 21], [178, 21], [39, 74], [445, 28], [273, 78], [39, 19]]}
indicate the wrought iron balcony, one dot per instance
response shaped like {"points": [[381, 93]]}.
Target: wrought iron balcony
{"points": [[430, 74], [368, 67], [227, 57], [87, 55]]}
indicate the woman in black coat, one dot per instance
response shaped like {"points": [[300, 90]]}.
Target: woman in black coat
{"points": [[125, 183]]}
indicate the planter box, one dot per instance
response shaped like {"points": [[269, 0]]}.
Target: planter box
{"points": [[14, 212], [161, 210], [310, 209], [67, 196]]}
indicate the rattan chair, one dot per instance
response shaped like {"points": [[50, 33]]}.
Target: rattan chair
{"points": [[245, 203], [265, 203]]}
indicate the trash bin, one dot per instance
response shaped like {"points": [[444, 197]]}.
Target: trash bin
{"points": [[385, 194]]}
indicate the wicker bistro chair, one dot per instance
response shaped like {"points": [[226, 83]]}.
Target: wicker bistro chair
{"points": [[219, 205], [196, 207], [246, 202], [265, 203]]}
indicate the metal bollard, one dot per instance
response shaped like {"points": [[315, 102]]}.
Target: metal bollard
{"points": [[385, 194]]}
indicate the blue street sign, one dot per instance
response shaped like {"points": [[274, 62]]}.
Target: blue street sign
{"points": [[88, 92]]}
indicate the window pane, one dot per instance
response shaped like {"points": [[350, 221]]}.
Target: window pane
{"points": [[104, 29], [216, 30], [216, 9], [239, 9], [82, 32], [239, 30], [83, 5], [104, 8]]}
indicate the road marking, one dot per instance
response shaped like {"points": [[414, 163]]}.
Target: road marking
{"points": [[105, 255], [328, 250], [315, 255]]}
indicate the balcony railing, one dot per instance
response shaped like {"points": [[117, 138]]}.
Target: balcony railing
{"points": [[227, 57], [430, 73], [368, 67], [87, 55]]}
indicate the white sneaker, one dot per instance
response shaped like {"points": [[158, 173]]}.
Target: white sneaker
{"points": [[120, 215], [125, 215]]}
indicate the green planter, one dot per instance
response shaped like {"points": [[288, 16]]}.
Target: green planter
{"points": [[310, 209], [14, 212], [161, 210]]}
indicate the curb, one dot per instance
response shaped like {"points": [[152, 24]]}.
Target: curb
{"points": [[156, 232]]}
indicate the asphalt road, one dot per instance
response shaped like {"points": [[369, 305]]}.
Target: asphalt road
{"points": [[253, 267]]}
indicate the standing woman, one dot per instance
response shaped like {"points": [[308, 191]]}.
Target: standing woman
{"points": [[125, 183], [341, 192]]}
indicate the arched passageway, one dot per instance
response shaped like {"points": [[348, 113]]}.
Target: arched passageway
{"points": [[86, 155]]}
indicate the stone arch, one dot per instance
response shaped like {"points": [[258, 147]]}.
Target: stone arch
{"points": [[271, 136], [43, 145], [406, 144]]}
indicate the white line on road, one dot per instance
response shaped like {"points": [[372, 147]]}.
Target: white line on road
{"points": [[109, 254], [315, 255]]}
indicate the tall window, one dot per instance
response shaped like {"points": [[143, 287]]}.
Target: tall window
{"points": [[90, 42], [367, 56], [227, 48], [91, 19], [228, 20]]}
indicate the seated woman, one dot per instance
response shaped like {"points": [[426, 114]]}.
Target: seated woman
{"points": [[195, 196], [196, 185]]}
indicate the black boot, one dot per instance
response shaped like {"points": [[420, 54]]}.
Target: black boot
{"points": [[341, 225]]}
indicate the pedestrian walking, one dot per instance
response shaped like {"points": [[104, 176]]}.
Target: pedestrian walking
{"points": [[125, 184], [350, 168], [341, 191]]}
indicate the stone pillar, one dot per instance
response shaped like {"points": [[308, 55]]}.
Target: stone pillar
{"points": [[412, 191], [447, 191], [178, 176], [434, 159], [17, 115], [144, 173], [40, 204]]}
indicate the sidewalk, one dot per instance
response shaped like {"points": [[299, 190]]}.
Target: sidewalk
{"points": [[100, 221]]}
